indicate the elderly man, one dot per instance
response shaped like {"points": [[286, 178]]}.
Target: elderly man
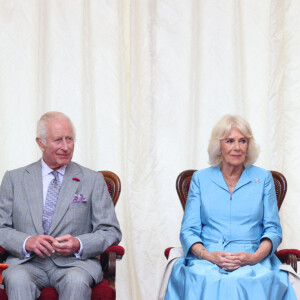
{"points": [[55, 218]]}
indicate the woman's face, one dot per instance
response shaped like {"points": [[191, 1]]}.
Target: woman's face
{"points": [[234, 148]]}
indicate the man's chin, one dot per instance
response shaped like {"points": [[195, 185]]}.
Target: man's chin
{"points": [[64, 161]]}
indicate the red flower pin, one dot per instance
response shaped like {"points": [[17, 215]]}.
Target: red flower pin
{"points": [[76, 179]]}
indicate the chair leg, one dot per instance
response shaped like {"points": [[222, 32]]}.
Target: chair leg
{"points": [[112, 269], [292, 260]]}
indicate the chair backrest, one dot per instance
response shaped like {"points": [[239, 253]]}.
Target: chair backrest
{"points": [[184, 179], [113, 183]]}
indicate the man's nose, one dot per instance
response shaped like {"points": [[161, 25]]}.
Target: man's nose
{"points": [[64, 144]]}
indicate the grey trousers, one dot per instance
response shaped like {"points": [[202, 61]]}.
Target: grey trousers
{"points": [[24, 282]]}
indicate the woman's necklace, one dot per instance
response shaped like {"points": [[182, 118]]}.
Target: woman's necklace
{"points": [[231, 182]]}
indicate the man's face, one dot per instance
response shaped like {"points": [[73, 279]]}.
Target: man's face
{"points": [[59, 147]]}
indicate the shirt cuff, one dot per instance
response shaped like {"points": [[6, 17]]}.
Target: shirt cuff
{"points": [[25, 253], [79, 253]]}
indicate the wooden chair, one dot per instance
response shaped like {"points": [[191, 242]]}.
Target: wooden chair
{"points": [[288, 256], [105, 290]]}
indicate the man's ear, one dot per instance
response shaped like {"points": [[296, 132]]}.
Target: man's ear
{"points": [[40, 144]]}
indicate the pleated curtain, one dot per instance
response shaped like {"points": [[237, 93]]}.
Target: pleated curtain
{"points": [[144, 82]]}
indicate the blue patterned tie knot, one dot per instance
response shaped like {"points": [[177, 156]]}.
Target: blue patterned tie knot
{"points": [[50, 203]]}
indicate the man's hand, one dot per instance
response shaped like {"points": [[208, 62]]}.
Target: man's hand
{"points": [[66, 245], [41, 245]]}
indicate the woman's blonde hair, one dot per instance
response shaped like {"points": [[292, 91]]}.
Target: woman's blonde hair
{"points": [[222, 130]]}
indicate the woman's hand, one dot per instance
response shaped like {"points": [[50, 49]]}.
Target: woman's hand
{"points": [[231, 261], [225, 260], [253, 258], [244, 258]]}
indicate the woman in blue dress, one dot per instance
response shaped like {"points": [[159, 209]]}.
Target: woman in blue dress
{"points": [[231, 228]]}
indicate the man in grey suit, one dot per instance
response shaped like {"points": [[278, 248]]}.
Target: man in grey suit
{"points": [[54, 224]]}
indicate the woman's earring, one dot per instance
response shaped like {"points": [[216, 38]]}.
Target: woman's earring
{"points": [[219, 152]]}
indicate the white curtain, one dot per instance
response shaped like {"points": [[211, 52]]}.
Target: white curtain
{"points": [[144, 81]]}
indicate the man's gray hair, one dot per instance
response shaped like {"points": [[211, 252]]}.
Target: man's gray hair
{"points": [[41, 128]]}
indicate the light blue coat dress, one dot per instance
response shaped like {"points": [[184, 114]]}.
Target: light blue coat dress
{"points": [[232, 223]]}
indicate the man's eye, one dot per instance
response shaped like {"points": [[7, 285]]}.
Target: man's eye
{"points": [[69, 139], [58, 140]]}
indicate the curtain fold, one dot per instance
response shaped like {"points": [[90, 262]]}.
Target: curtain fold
{"points": [[144, 82]]}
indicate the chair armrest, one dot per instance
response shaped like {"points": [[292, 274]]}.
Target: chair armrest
{"points": [[120, 251], [289, 257], [2, 268], [167, 252], [108, 262]]}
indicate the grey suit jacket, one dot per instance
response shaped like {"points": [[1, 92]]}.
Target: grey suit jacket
{"points": [[94, 222]]}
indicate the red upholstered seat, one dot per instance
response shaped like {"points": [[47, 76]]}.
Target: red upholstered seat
{"points": [[105, 290], [101, 291], [288, 256], [3, 295]]}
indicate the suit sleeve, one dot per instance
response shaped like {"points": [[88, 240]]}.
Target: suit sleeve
{"points": [[191, 224], [10, 239], [271, 222], [105, 226]]}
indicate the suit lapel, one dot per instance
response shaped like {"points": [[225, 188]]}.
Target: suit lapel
{"points": [[33, 186], [220, 181], [244, 179], [66, 194], [218, 178]]}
